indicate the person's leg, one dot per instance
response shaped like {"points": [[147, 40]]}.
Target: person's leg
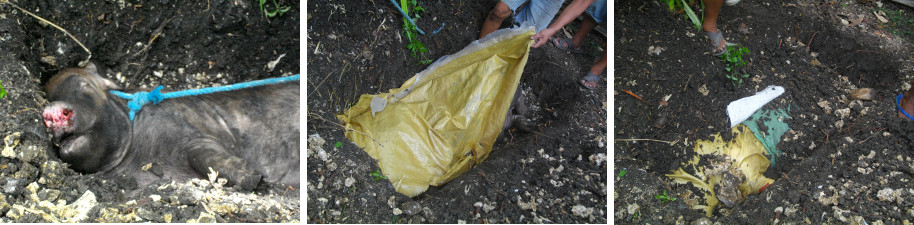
{"points": [[587, 25], [590, 81], [712, 9], [494, 19], [599, 65]]}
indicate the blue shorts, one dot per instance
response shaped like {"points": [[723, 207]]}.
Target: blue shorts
{"points": [[597, 10], [538, 12]]}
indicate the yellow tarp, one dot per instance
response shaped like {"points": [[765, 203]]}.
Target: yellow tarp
{"points": [[445, 119], [744, 154]]}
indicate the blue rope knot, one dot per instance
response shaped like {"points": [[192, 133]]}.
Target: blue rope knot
{"points": [[142, 98], [138, 99]]}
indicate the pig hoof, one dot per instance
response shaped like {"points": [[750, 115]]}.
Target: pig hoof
{"points": [[249, 182], [522, 123]]}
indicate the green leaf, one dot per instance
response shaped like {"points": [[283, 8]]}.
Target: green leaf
{"points": [[377, 175], [622, 173], [692, 16], [338, 144], [2, 91]]}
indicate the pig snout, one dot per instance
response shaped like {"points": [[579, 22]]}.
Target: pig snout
{"points": [[59, 118]]}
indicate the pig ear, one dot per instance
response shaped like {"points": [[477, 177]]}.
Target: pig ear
{"points": [[93, 70]]}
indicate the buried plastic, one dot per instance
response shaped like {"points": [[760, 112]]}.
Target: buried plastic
{"points": [[742, 157], [773, 121], [742, 109], [445, 119]]}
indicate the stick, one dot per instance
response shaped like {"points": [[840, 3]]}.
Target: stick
{"points": [[686, 85], [636, 96], [871, 136], [155, 34], [641, 139], [346, 128], [82, 63], [810, 41]]}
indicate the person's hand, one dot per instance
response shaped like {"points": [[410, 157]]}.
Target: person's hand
{"points": [[539, 39]]}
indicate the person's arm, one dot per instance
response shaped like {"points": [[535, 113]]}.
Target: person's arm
{"points": [[572, 11]]}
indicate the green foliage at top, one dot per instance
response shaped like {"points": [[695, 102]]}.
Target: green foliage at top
{"points": [[2, 91], [733, 60], [900, 23], [416, 48], [277, 10], [678, 6]]}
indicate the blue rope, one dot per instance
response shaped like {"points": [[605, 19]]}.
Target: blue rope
{"points": [[138, 99], [397, 6], [898, 106]]}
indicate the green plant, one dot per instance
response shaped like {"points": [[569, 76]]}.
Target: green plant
{"points": [[338, 144], [683, 5], [664, 198], [899, 23], [635, 216], [622, 173], [2, 91], [733, 59], [377, 175], [416, 48], [278, 10]]}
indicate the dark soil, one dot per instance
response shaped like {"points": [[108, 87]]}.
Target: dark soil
{"points": [[188, 44], [845, 161], [358, 47]]}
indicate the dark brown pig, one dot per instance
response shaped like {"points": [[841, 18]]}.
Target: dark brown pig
{"points": [[247, 136]]}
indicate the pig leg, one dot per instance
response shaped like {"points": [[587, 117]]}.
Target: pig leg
{"points": [[236, 170]]}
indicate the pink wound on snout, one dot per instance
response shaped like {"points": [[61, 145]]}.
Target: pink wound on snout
{"points": [[57, 118]]}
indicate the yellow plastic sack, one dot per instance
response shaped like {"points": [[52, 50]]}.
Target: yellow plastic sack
{"points": [[743, 154], [445, 119]]}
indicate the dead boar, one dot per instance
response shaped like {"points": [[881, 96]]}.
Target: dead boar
{"points": [[247, 136]]}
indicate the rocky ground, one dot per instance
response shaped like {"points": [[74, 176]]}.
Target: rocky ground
{"points": [[845, 161], [179, 45]]}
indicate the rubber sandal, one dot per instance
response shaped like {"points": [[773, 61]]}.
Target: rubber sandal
{"points": [[564, 43], [590, 77], [717, 40]]}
